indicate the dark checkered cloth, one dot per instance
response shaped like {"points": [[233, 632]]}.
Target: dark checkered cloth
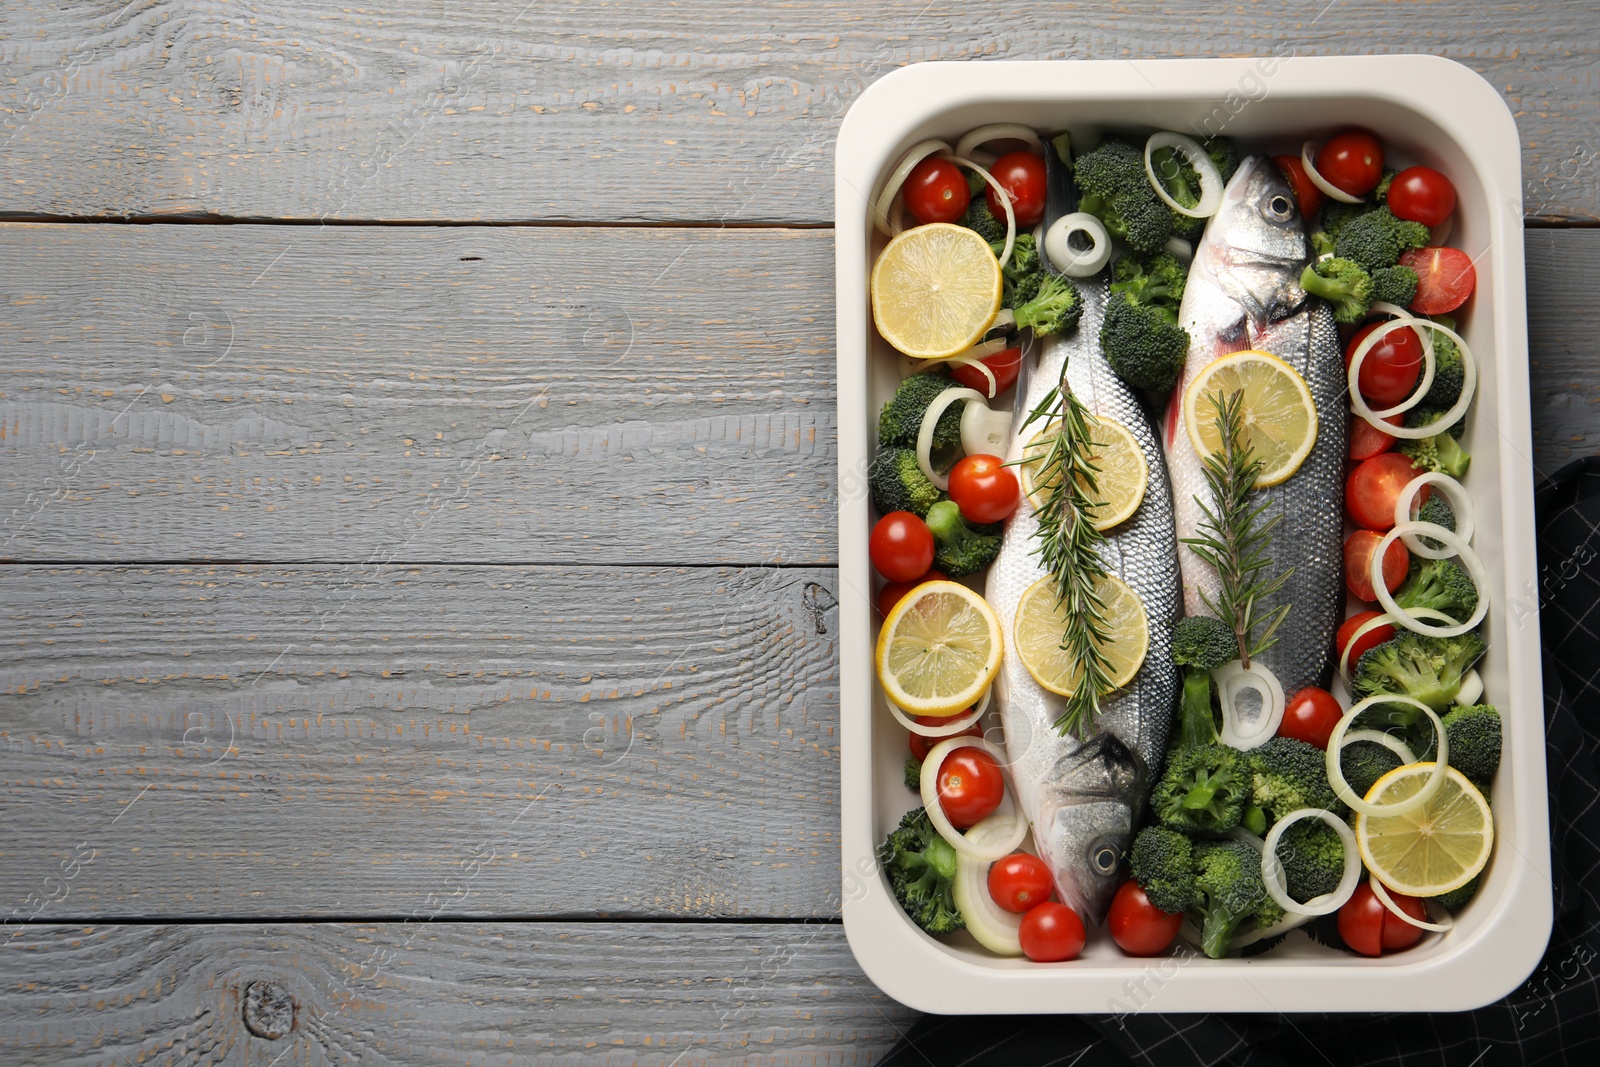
{"points": [[1552, 1018]]}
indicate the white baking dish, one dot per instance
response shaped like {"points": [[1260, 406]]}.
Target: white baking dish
{"points": [[1428, 110]]}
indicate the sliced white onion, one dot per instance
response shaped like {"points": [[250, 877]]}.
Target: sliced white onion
{"points": [[1005, 202], [984, 431], [897, 177], [1336, 774], [983, 368], [994, 928], [1469, 383], [949, 727], [1278, 884], [1387, 740], [1469, 560], [1358, 403], [998, 846], [999, 131], [1005, 319], [1068, 260], [1179, 249], [1232, 679], [1204, 166], [1471, 689], [1328, 188], [1460, 504], [930, 419], [1381, 891], [1395, 311]]}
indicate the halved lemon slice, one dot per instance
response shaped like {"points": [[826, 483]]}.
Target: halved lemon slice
{"points": [[1432, 849], [935, 290], [1119, 485], [939, 649], [1041, 621], [1280, 417]]}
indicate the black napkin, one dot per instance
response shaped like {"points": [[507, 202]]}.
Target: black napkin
{"points": [[1553, 1017]]}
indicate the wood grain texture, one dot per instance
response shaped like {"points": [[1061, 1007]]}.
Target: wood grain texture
{"points": [[1564, 345], [358, 393], [689, 111], [440, 993], [278, 741]]}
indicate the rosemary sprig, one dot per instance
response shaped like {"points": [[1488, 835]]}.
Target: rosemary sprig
{"points": [[1069, 548], [1232, 538]]}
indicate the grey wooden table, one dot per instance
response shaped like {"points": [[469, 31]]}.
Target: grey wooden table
{"points": [[418, 496]]}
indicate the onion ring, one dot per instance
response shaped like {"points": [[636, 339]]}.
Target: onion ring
{"points": [[1463, 551], [1469, 384], [1204, 166], [1333, 192], [1381, 891], [936, 815], [1471, 689], [1460, 503], [1233, 677], [897, 177], [1179, 249], [991, 925], [1005, 201], [1359, 356], [930, 419], [1395, 311], [1278, 884], [1068, 260], [999, 131], [950, 728], [1342, 788], [1388, 741], [1382, 620]]}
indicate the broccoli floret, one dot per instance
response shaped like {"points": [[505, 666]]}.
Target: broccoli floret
{"points": [[1200, 644], [1436, 509], [1156, 280], [1394, 285], [1224, 154], [1364, 762], [1140, 336], [1441, 584], [1023, 271], [1342, 283], [1381, 193], [913, 774], [901, 417], [1116, 190], [1287, 774], [1321, 244], [1312, 855], [1442, 452], [1228, 877], [1182, 181], [1203, 789], [1456, 899], [898, 484], [1335, 216], [921, 866], [1426, 669], [1377, 239], [959, 549], [1449, 374], [979, 218], [1475, 738], [1162, 862], [1055, 307]]}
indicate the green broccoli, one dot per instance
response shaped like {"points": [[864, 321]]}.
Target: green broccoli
{"points": [[1342, 283], [1381, 193], [1456, 899], [1441, 584], [1474, 735], [1335, 216], [1182, 181], [921, 866], [1054, 308], [913, 774], [1442, 452], [1321, 244], [1203, 789], [901, 417], [1231, 893], [1117, 191], [1023, 271], [959, 549], [1286, 775], [1224, 154], [1200, 644], [1312, 855], [1394, 285], [898, 484], [1162, 862], [1426, 669], [979, 218], [1364, 762], [1436, 509], [1154, 280], [1449, 372], [1140, 335], [1377, 239]]}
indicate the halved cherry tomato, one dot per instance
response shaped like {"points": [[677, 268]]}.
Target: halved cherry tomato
{"points": [[1366, 926], [1367, 641], [1019, 881], [1051, 932], [1374, 486], [1391, 369], [1139, 927], [970, 787], [1445, 278], [1352, 162], [936, 191], [1307, 195], [921, 746], [1021, 175], [1366, 440], [1003, 365], [901, 546], [1358, 550], [984, 488], [894, 592], [1310, 716], [1423, 195]]}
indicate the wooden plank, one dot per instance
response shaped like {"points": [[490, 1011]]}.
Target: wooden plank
{"points": [[692, 111], [356, 393], [441, 992], [1564, 359], [333, 741]]}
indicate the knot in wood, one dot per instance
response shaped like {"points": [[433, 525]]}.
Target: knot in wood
{"points": [[268, 1010]]}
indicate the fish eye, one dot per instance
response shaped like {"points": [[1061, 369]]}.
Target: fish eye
{"points": [[1278, 208], [1105, 857]]}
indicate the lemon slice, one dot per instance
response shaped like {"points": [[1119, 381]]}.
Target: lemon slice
{"points": [[939, 649], [1040, 623], [935, 290], [1280, 418], [1120, 483], [1432, 849]]}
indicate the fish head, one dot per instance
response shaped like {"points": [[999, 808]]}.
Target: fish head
{"points": [[1255, 246], [1086, 819]]}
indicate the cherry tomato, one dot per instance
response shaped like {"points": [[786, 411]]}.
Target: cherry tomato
{"points": [[1021, 175], [1019, 881], [1445, 278], [1423, 195], [1310, 716], [1366, 926], [1367, 641], [1139, 927], [970, 787], [984, 488], [1352, 162], [901, 546], [1366, 440], [1358, 550], [1391, 368], [936, 191], [1307, 195], [1373, 487], [920, 745], [1397, 933], [894, 592], [1003, 365], [1051, 932]]}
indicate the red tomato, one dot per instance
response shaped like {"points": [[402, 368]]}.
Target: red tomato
{"points": [[1019, 881], [1397, 933], [1310, 716], [1358, 550], [1369, 640], [936, 191], [1307, 195], [1021, 175], [1445, 278], [1051, 932], [1003, 365], [1366, 440], [1373, 487], [1423, 195], [970, 787], [920, 746], [1352, 162], [984, 488], [901, 546], [894, 592], [1366, 926], [1391, 369], [1139, 927]]}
